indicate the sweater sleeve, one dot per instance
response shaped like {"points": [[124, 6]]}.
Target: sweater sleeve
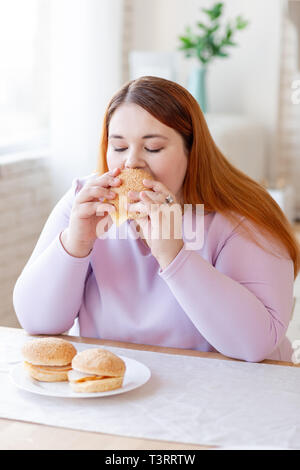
{"points": [[243, 304], [48, 293]]}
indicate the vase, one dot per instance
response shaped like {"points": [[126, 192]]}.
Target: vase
{"points": [[197, 86]]}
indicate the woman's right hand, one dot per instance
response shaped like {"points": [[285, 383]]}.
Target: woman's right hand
{"points": [[87, 211]]}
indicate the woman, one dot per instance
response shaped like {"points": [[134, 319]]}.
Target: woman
{"points": [[233, 295]]}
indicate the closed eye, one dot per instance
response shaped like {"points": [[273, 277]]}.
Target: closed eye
{"points": [[148, 150], [154, 151]]}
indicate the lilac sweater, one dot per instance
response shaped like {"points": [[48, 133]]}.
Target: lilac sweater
{"points": [[228, 296]]}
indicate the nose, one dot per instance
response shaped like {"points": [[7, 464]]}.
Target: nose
{"points": [[134, 160]]}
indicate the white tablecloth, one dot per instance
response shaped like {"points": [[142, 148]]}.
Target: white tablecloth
{"points": [[187, 399]]}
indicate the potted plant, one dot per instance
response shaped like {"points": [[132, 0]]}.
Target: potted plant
{"points": [[207, 44]]}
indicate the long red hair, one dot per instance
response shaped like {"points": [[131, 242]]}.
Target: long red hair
{"points": [[210, 178]]}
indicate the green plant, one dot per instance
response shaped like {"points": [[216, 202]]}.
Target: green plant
{"points": [[211, 43]]}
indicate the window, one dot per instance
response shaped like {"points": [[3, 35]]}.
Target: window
{"points": [[24, 74]]}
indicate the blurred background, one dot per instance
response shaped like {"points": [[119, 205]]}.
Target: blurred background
{"points": [[61, 61]]}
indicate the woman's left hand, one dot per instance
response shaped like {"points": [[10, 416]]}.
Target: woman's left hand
{"points": [[162, 232]]}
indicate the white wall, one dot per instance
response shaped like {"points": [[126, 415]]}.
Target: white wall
{"points": [[247, 81], [25, 204], [86, 71]]}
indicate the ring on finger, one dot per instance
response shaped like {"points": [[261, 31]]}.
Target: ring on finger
{"points": [[169, 199]]}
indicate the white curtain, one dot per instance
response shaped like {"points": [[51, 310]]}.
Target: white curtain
{"points": [[86, 69]]}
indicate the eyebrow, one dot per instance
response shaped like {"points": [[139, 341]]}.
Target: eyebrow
{"points": [[148, 136]]}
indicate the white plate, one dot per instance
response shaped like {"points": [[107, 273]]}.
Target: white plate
{"points": [[136, 374]]}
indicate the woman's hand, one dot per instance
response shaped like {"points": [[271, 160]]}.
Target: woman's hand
{"points": [[161, 226], [87, 211]]}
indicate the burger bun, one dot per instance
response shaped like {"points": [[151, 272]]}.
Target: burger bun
{"points": [[96, 370], [132, 180], [48, 359]]}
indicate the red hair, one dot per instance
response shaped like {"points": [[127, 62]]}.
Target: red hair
{"points": [[210, 178]]}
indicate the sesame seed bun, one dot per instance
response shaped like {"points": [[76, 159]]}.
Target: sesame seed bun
{"points": [[48, 351], [99, 361], [132, 180], [48, 359], [96, 370]]}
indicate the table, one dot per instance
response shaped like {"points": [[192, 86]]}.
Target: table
{"points": [[24, 435]]}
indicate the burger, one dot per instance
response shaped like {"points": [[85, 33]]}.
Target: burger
{"points": [[48, 359], [96, 370], [132, 180]]}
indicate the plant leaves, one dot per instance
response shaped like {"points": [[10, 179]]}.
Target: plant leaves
{"points": [[202, 26], [241, 23], [213, 29], [231, 43], [211, 42], [222, 54], [228, 31], [186, 42], [214, 12]]}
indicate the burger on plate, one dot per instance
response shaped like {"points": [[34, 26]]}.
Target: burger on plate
{"points": [[96, 370], [48, 359], [132, 180]]}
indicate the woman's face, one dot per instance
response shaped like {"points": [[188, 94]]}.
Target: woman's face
{"points": [[137, 140]]}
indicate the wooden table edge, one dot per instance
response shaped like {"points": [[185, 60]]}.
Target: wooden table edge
{"points": [[105, 440], [165, 350], [148, 347]]}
